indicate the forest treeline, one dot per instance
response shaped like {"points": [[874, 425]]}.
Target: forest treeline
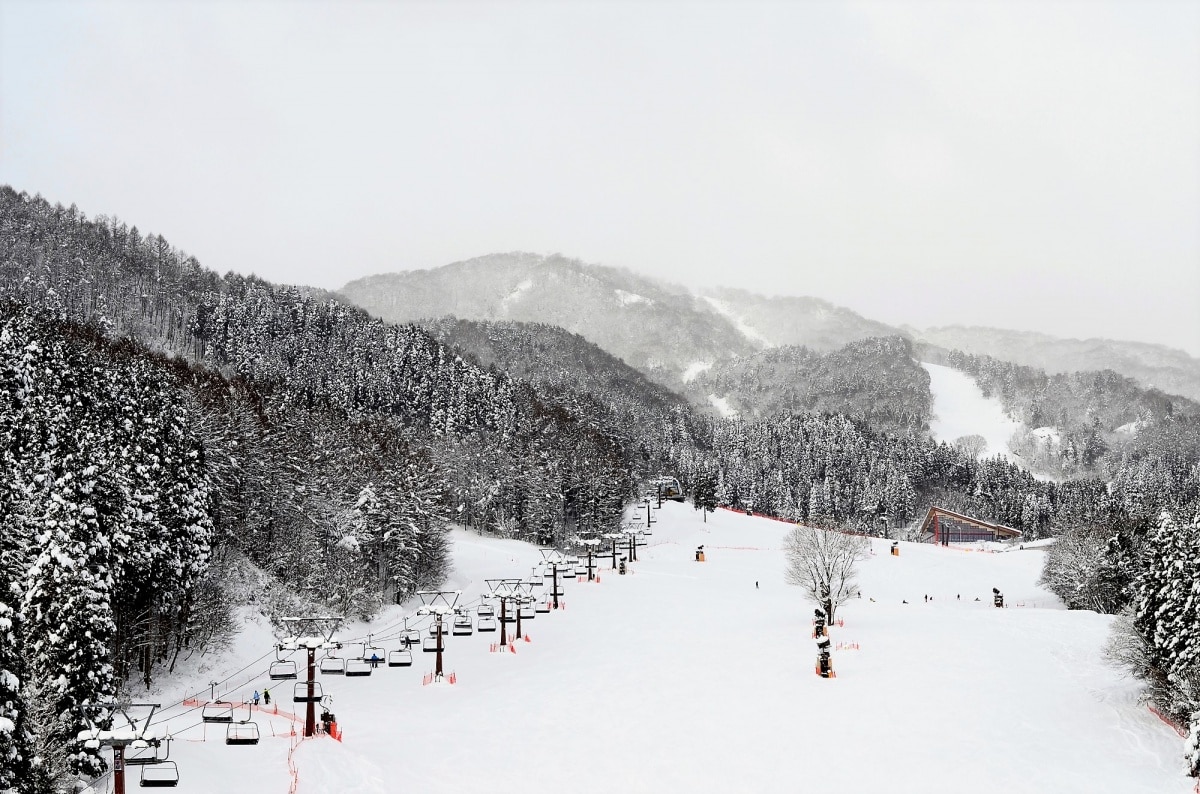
{"points": [[875, 380]]}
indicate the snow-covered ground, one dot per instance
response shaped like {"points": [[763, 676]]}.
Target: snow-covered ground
{"points": [[744, 328], [960, 409], [687, 676], [722, 405]]}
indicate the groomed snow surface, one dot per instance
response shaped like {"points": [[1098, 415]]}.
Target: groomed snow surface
{"points": [[960, 409], [685, 676]]}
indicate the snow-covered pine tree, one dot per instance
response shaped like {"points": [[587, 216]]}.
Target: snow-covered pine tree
{"points": [[1167, 613]]}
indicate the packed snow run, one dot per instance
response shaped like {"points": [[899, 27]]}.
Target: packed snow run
{"points": [[699, 676], [960, 409]]}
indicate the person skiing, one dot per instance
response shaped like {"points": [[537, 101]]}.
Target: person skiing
{"points": [[256, 697], [266, 697]]}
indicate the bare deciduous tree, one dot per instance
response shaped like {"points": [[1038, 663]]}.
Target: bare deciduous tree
{"points": [[823, 564]]}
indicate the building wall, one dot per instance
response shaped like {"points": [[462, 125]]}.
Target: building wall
{"points": [[951, 530]]}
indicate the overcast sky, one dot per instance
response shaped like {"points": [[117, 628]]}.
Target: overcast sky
{"points": [[1032, 165]]}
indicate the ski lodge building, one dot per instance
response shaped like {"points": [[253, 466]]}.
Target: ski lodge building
{"points": [[945, 526]]}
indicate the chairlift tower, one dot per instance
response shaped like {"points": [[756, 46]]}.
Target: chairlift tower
{"points": [[525, 598], [555, 558], [311, 634], [438, 603], [635, 540], [120, 738], [591, 544], [507, 591], [614, 537]]}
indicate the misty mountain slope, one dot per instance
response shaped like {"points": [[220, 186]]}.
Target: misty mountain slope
{"points": [[555, 360], [1156, 366], [662, 329], [654, 327], [873, 380], [789, 320]]}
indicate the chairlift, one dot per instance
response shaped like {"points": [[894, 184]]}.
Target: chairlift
{"points": [[282, 670], [160, 775], [217, 711], [542, 607], [300, 692], [401, 658], [152, 751], [509, 616], [548, 574], [463, 627], [581, 570], [373, 651], [358, 667], [486, 623], [411, 637], [430, 645], [241, 733], [485, 610], [527, 612], [332, 665], [536, 582], [433, 629]]}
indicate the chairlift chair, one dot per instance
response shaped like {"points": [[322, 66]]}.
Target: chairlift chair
{"points": [[154, 751], [581, 570], [358, 667], [433, 629], [485, 610], [463, 627], [300, 692], [430, 645], [542, 607], [401, 658], [217, 711], [332, 665], [241, 733], [160, 775], [510, 616], [548, 574], [411, 637], [527, 612], [379, 653], [486, 623], [282, 670]]}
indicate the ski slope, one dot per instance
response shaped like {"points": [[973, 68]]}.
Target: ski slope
{"points": [[685, 676], [960, 409]]}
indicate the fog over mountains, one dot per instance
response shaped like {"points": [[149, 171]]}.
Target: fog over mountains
{"points": [[672, 332]]}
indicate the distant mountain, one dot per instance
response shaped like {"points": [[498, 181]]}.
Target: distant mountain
{"points": [[875, 380], [662, 329], [566, 365], [1156, 366], [658, 328], [814, 323]]}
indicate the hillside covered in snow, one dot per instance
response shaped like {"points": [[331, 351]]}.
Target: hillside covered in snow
{"points": [[937, 691]]}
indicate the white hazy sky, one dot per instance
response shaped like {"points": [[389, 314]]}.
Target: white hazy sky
{"points": [[1031, 165]]}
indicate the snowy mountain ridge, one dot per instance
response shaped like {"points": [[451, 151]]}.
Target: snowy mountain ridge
{"points": [[663, 328]]}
